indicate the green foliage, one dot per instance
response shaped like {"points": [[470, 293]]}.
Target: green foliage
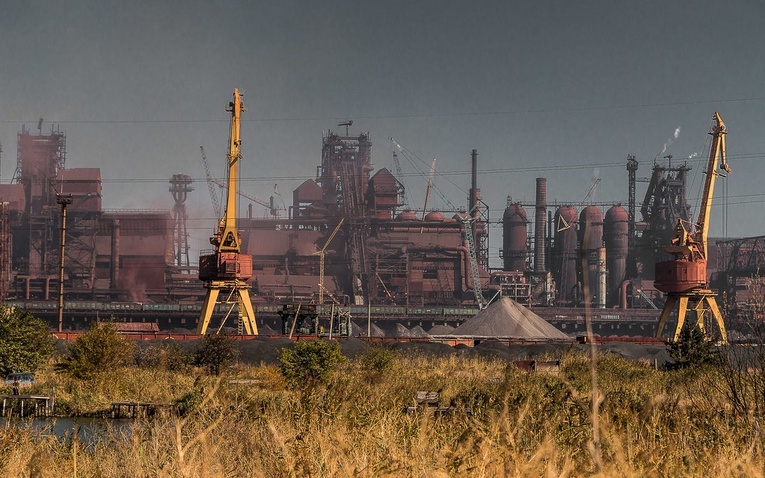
{"points": [[377, 359], [310, 362], [692, 349], [167, 355], [100, 349], [216, 353], [25, 341], [189, 402]]}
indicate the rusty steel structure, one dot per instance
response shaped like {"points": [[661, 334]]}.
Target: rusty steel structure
{"points": [[382, 252], [379, 252], [110, 255]]}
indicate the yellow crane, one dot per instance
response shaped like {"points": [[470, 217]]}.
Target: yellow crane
{"points": [[684, 279], [227, 269], [321, 260]]}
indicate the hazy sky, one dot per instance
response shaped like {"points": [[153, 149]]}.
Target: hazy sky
{"points": [[559, 89]]}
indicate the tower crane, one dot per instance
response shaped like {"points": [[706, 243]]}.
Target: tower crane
{"points": [[272, 208], [321, 260], [684, 279], [227, 269], [210, 184]]}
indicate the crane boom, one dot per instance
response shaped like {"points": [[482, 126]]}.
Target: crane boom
{"points": [[227, 239], [716, 151]]}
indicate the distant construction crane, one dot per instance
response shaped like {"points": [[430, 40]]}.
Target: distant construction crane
{"points": [[211, 184], [321, 260]]}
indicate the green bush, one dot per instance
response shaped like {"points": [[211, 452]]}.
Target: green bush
{"points": [[377, 359], [25, 341], [167, 355], [309, 363], [216, 353], [692, 349], [100, 349]]}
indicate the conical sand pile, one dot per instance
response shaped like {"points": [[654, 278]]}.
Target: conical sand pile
{"points": [[507, 318]]}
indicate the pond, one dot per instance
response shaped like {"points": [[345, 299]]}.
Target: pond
{"points": [[89, 430]]}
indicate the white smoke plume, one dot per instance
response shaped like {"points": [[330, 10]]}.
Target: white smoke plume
{"points": [[669, 142]]}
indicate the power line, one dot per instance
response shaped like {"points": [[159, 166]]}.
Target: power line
{"points": [[404, 116]]}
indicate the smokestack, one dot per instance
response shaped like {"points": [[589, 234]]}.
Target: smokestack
{"points": [[473, 199], [539, 226], [115, 253]]}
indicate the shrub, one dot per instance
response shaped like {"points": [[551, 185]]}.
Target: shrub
{"points": [[167, 355], [377, 359], [692, 349], [99, 349], [25, 341], [216, 353], [310, 362]]}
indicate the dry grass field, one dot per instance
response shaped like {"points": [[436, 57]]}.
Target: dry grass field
{"points": [[651, 423]]}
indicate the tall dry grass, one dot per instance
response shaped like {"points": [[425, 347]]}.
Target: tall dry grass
{"points": [[652, 423]]}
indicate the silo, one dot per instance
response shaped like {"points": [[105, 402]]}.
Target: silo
{"points": [[615, 235], [591, 240], [564, 254], [514, 228]]}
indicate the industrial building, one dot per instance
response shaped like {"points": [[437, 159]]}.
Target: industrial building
{"points": [[348, 239]]}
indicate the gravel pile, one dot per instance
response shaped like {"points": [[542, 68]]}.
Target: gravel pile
{"points": [[507, 318]]}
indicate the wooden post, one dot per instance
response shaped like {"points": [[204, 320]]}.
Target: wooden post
{"points": [[369, 319]]}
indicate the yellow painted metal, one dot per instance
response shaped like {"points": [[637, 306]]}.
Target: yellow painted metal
{"points": [[693, 246], [227, 238]]}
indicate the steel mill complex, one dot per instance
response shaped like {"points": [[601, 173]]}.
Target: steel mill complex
{"points": [[348, 240]]}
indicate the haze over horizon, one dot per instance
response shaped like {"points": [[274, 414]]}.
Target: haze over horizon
{"points": [[555, 89]]}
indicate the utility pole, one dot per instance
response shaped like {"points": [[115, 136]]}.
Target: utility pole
{"points": [[63, 200]]}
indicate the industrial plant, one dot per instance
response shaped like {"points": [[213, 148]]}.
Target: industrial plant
{"points": [[350, 240]]}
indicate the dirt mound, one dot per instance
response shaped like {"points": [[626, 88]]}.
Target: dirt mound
{"points": [[441, 329], [507, 318]]}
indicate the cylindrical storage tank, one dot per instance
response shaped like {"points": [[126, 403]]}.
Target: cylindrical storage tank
{"points": [[591, 240], [406, 216], [615, 235], [514, 227], [564, 254], [434, 216]]}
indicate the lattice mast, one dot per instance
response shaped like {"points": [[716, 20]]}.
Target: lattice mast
{"points": [[227, 269]]}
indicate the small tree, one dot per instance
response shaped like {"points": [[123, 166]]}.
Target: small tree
{"points": [[25, 341], [692, 349], [98, 350], [216, 353], [310, 362]]}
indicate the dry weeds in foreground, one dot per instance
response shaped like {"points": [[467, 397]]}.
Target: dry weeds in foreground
{"points": [[651, 424]]}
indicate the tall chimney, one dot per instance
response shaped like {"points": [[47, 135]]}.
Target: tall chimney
{"points": [[473, 199], [539, 226], [115, 256]]}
